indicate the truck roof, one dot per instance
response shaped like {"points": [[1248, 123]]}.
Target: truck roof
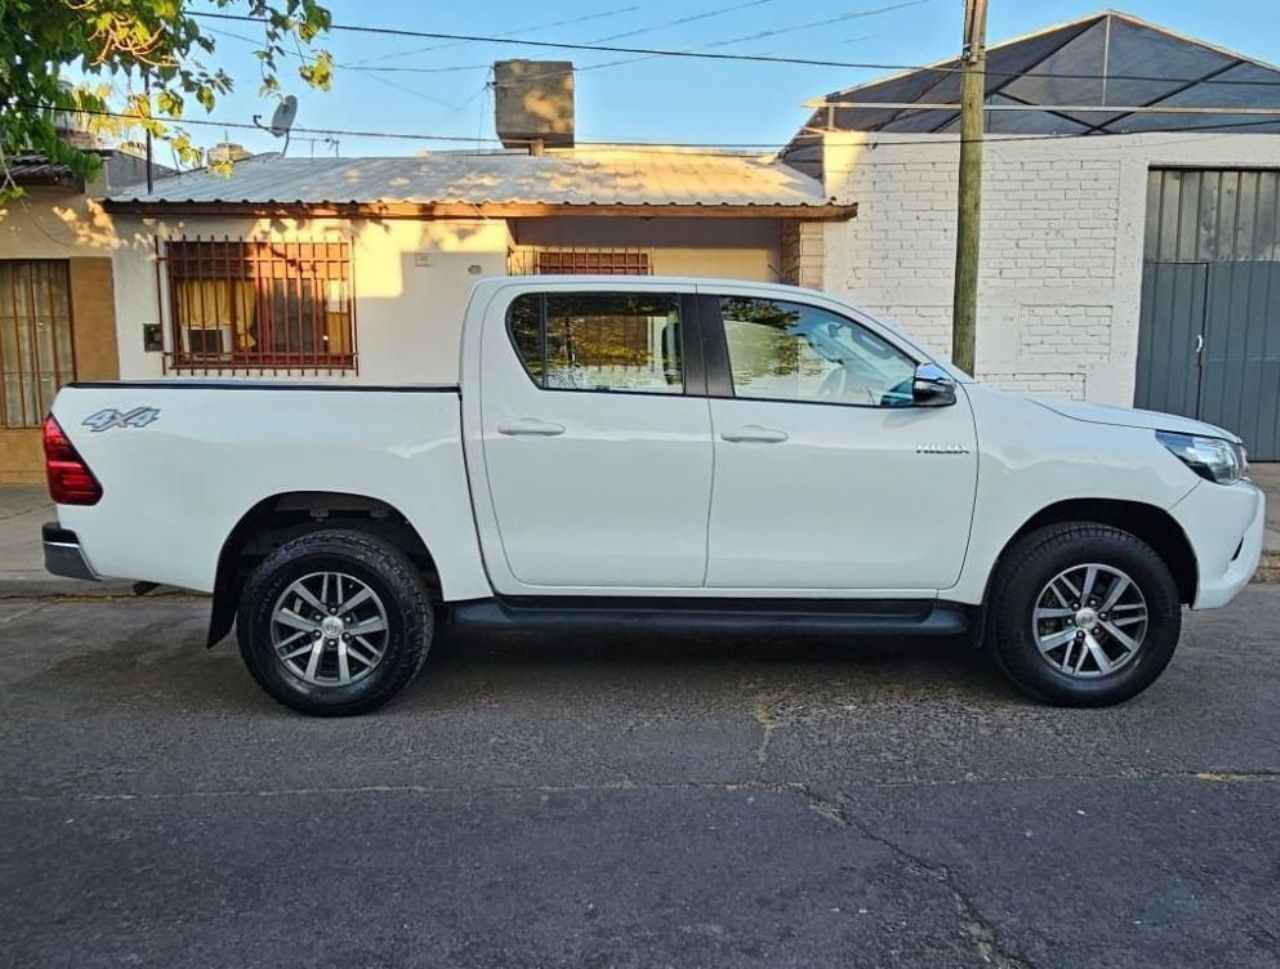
{"points": [[567, 281]]}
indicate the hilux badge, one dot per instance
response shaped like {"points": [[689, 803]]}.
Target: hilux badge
{"points": [[105, 420]]}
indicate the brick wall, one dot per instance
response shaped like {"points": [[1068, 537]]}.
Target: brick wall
{"points": [[803, 253], [1062, 234], [1049, 255]]}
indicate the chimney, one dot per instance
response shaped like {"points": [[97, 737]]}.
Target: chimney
{"points": [[73, 126], [533, 104], [227, 151]]}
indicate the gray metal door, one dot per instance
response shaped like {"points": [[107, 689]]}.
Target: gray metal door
{"points": [[1169, 336], [1209, 334], [1240, 364]]}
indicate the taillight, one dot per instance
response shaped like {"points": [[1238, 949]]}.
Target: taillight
{"points": [[70, 480]]}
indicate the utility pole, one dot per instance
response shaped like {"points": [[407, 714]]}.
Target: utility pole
{"points": [[146, 87], [973, 60]]}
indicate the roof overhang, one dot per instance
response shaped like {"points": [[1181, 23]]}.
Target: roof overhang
{"points": [[479, 210]]}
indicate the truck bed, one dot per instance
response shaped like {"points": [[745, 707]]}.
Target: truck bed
{"points": [[186, 460]]}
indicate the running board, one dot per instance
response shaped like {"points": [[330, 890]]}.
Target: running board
{"points": [[898, 617]]}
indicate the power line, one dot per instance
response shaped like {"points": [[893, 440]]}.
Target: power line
{"points": [[751, 58], [512, 33], [656, 147], [692, 18], [909, 140], [760, 35]]}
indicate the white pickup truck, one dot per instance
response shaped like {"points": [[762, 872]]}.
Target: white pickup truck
{"points": [[664, 452]]}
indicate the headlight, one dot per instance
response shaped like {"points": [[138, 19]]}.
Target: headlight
{"points": [[1210, 457]]}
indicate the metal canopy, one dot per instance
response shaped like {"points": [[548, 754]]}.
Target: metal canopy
{"points": [[1104, 59]]}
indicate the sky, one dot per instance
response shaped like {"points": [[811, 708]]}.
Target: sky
{"points": [[647, 99]]}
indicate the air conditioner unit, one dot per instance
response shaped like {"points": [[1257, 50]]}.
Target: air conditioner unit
{"points": [[208, 342]]}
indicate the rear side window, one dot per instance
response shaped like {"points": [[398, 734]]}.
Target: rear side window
{"points": [[607, 342]]}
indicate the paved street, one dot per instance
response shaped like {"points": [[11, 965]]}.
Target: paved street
{"points": [[679, 802]]}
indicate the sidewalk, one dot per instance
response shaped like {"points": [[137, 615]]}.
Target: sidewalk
{"points": [[24, 508]]}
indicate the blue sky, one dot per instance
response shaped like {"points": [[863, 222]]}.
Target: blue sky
{"points": [[659, 99]]}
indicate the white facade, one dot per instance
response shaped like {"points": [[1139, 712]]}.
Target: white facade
{"points": [[1061, 257], [412, 278], [411, 283]]}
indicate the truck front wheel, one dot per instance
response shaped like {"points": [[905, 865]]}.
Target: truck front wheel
{"points": [[335, 622], [1083, 614]]}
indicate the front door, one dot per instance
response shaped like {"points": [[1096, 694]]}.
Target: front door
{"points": [[598, 463], [827, 477]]}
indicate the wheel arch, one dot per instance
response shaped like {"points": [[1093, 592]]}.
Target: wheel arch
{"points": [[1150, 523], [280, 517]]}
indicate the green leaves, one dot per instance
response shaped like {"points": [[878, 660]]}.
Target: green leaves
{"points": [[318, 72], [121, 42]]}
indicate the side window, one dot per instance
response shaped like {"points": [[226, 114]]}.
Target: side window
{"points": [[621, 342], [791, 351]]}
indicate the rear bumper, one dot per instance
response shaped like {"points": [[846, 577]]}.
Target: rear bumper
{"points": [[63, 555], [1225, 525]]}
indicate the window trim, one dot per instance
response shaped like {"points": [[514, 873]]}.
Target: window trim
{"points": [[720, 369], [691, 351]]}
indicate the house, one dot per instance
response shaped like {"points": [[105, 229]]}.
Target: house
{"points": [[57, 310], [1128, 257], [358, 269]]}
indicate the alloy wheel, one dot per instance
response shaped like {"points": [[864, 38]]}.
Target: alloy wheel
{"points": [[329, 629], [1090, 620]]}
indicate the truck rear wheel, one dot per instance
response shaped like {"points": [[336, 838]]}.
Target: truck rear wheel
{"points": [[335, 623], [1083, 614]]}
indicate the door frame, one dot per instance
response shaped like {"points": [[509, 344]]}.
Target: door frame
{"points": [[721, 388], [488, 327]]}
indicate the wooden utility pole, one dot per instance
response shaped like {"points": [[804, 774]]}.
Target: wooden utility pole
{"points": [[969, 215]]}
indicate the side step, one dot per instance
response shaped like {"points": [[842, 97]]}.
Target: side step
{"points": [[898, 617]]}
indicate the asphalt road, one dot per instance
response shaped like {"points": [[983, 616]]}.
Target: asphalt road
{"points": [[634, 802]]}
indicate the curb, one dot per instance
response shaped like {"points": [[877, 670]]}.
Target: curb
{"points": [[38, 585]]}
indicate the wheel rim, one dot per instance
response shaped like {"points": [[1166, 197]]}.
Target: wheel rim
{"points": [[329, 629], [1090, 620]]}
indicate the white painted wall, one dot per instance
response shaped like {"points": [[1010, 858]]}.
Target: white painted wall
{"points": [[1062, 235], [725, 248], [412, 280]]}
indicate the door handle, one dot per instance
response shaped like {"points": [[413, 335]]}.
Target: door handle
{"points": [[530, 427], [754, 434], [1199, 343]]}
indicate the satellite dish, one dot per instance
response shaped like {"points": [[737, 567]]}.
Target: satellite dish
{"points": [[282, 120]]}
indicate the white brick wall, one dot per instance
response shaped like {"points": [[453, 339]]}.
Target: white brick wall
{"points": [[1061, 386], [1062, 231], [803, 253], [1056, 333]]}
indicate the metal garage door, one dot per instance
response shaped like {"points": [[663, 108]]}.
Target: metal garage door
{"points": [[1209, 338]]}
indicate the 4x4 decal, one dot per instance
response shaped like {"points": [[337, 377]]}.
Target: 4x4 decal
{"points": [[105, 420]]}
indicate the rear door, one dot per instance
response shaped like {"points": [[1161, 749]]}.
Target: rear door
{"points": [[826, 474], [597, 452]]}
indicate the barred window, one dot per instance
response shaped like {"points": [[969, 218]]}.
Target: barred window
{"points": [[600, 262], [36, 352], [240, 304]]}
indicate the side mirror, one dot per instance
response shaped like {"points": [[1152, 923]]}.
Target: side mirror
{"points": [[932, 386]]}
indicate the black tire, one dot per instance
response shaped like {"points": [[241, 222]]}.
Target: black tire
{"points": [[385, 570], [1024, 572]]}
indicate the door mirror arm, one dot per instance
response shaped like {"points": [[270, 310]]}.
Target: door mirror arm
{"points": [[931, 386]]}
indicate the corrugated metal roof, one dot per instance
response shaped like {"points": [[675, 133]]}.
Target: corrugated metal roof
{"points": [[35, 169], [580, 176]]}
